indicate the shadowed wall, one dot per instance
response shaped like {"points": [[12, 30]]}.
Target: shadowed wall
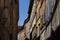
{"points": [[8, 19]]}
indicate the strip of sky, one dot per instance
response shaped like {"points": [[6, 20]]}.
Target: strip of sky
{"points": [[23, 11]]}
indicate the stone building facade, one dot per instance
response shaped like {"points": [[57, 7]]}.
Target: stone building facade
{"points": [[9, 16], [43, 22], [28, 25], [21, 34]]}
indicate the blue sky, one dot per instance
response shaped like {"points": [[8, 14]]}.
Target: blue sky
{"points": [[23, 11]]}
